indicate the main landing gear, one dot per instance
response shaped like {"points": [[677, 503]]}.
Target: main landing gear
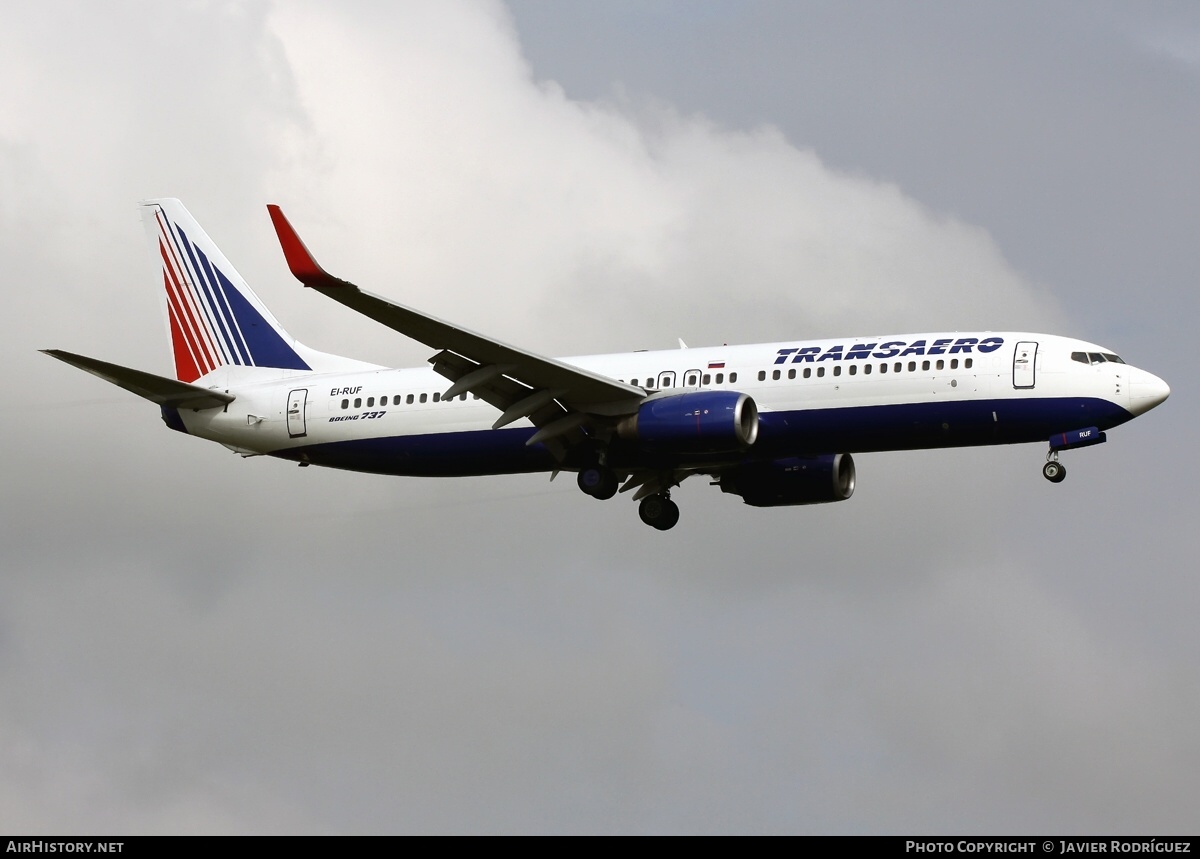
{"points": [[598, 481], [659, 511], [1053, 470]]}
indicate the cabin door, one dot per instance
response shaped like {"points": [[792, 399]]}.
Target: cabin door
{"points": [[296, 404], [1025, 364]]}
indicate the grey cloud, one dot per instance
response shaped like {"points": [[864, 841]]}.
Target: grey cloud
{"points": [[193, 642]]}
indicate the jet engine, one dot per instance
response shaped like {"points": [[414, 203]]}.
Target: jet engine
{"points": [[795, 480], [695, 422]]}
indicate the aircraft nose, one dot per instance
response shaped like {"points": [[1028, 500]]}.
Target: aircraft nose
{"points": [[1146, 391]]}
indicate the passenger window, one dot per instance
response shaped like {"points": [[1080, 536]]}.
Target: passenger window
{"points": [[732, 378], [424, 397], [358, 402], [345, 404], [792, 373], [953, 363], [866, 369], [820, 372], [437, 396], [775, 375], [941, 365], [924, 365], [967, 362], [409, 399], [707, 379], [837, 370], [762, 375], [808, 372], [912, 366], [720, 378], [899, 366], [853, 369], [370, 402], [883, 368]]}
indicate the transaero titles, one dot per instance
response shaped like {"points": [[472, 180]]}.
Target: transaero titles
{"points": [[890, 349]]}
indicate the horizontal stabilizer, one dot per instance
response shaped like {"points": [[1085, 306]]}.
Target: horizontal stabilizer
{"points": [[156, 389]]}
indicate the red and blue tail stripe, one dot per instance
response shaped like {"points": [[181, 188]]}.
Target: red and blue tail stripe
{"points": [[214, 318]]}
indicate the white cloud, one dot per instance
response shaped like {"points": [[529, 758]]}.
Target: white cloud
{"points": [[457, 182]]}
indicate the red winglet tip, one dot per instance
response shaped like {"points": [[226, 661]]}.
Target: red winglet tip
{"points": [[305, 268]]}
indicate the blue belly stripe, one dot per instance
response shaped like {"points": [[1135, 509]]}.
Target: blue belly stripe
{"points": [[861, 429]]}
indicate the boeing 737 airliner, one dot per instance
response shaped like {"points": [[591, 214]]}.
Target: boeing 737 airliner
{"points": [[774, 423]]}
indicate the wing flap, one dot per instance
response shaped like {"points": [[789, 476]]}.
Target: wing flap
{"points": [[156, 389], [515, 399]]}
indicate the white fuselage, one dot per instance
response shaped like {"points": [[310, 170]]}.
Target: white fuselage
{"points": [[827, 396]]}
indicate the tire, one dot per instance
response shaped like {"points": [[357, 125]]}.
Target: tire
{"points": [[598, 482], [1055, 472], [659, 512]]}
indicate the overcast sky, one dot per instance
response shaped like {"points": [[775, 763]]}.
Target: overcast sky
{"points": [[192, 642]]}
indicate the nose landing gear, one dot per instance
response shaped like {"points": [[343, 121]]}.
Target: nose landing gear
{"points": [[1053, 470]]}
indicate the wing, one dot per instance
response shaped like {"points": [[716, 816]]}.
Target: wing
{"points": [[561, 400], [156, 389]]}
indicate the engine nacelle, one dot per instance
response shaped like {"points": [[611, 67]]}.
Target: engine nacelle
{"points": [[695, 422], [795, 480]]}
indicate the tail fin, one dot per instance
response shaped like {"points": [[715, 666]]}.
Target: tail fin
{"points": [[215, 319]]}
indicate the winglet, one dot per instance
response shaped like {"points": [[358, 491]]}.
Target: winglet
{"points": [[302, 263]]}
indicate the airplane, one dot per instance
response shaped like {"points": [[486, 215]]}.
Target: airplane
{"points": [[775, 423]]}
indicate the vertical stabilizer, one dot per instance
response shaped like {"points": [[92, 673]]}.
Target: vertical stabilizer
{"points": [[215, 319]]}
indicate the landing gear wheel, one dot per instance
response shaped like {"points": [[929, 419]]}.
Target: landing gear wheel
{"points": [[1054, 471], [598, 482], [659, 511]]}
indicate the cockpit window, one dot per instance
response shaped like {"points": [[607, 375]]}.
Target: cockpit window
{"points": [[1094, 358]]}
